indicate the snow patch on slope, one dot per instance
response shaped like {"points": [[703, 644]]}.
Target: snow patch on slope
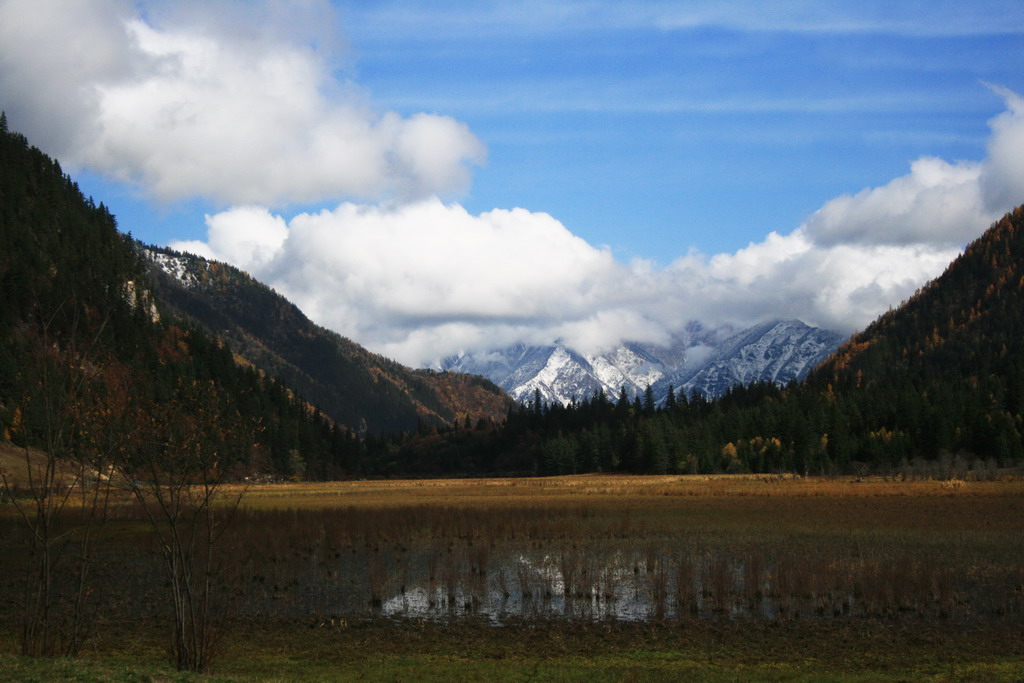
{"points": [[176, 266]]}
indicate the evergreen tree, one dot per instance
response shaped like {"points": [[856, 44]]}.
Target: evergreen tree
{"points": [[670, 400], [649, 406]]}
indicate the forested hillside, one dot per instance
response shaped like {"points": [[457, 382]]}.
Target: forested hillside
{"points": [[943, 372], [88, 362], [934, 384], [364, 391], [94, 355]]}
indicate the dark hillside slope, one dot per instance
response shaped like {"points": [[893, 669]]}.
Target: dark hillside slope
{"points": [[968, 321], [366, 392], [945, 370], [87, 361]]}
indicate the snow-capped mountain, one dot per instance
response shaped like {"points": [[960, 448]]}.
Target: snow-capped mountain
{"points": [[560, 373], [708, 361], [777, 352]]}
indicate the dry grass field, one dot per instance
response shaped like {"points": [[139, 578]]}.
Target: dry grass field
{"points": [[647, 575], [12, 463]]}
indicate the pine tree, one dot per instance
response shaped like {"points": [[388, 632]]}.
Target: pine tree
{"points": [[649, 405], [670, 400]]}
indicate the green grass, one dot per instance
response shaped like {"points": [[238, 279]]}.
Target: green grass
{"points": [[379, 651]]}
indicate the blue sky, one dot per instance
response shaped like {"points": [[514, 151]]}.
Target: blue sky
{"points": [[430, 178], [653, 140]]}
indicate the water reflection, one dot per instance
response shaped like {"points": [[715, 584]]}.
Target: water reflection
{"points": [[624, 581]]}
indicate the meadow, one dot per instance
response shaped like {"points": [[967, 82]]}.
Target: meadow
{"points": [[595, 577]]}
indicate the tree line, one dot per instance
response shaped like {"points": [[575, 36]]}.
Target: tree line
{"points": [[940, 377]]}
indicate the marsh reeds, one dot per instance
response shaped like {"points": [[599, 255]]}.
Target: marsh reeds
{"points": [[657, 587], [569, 562], [687, 587], [376, 575], [569, 566], [717, 582], [592, 550]]}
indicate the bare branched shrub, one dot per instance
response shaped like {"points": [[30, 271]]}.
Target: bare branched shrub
{"points": [[74, 413], [176, 477]]}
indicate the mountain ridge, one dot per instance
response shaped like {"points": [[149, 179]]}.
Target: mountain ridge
{"points": [[934, 387], [367, 392], [704, 360], [779, 352]]}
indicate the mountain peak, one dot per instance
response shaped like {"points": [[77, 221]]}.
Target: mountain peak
{"points": [[701, 359]]}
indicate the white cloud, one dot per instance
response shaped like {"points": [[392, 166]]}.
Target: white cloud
{"points": [[843, 287], [184, 109], [191, 99], [246, 234], [69, 47], [256, 26], [424, 280], [605, 328], [1003, 172], [938, 202], [389, 275], [860, 254], [197, 247]]}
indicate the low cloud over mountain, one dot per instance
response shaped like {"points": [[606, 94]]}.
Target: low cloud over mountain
{"points": [[243, 105], [425, 280]]}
